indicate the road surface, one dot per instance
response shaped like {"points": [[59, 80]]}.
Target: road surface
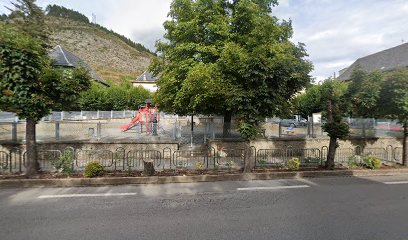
{"points": [[321, 208]]}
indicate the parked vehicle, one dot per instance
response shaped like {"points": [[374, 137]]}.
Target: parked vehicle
{"points": [[296, 121]]}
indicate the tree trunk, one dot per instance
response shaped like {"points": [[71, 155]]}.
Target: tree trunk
{"points": [[32, 165], [405, 146], [331, 154], [249, 155], [226, 131]]}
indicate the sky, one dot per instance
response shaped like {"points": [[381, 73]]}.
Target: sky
{"points": [[336, 32]]}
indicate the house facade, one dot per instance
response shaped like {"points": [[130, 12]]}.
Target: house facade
{"points": [[147, 81]]}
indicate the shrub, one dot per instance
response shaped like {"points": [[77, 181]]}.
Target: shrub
{"points": [[65, 163], [354, 161], [372, 162], [93, 169], [199, 165], [294, 164]]}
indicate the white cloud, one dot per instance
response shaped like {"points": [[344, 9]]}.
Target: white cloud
{"points": [[336, 33]]}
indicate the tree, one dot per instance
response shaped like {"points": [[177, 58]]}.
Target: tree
{"points": [[393, 103], [30, 87], [122, 97], [309, 102], [30, 19], [364, 93], [60, 11], [334, 105], [330, 99], [229, 57]]}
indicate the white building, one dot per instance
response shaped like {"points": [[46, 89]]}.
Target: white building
{"points": [[147, 81]]}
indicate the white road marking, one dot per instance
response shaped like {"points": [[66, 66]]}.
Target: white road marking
{"points": [[397, 182], [272, 188], [87, 195]]}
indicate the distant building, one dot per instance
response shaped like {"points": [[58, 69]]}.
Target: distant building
{"points": [[386, 60], [147, 81], [63, 58]]}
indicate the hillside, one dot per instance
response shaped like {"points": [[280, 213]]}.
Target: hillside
{"points": [[110, 56]]}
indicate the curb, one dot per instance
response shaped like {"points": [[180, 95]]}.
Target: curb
{"points": [[80, 182]]}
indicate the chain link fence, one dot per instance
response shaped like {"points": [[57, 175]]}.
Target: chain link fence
{"points": [[108, 125]]}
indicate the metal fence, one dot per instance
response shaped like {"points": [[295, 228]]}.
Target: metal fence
{"points": [[106, 125], [313, 157], [205, 159]]}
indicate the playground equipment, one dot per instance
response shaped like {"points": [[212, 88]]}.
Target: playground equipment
{"points": [[147, 116]]}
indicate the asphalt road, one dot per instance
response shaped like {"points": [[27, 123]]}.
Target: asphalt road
{"points": [[321, 208]]}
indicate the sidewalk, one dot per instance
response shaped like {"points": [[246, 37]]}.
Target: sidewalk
{"points": [[77, 182]]}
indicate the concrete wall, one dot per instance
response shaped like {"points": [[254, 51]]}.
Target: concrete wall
{"points": [[88, 145], [305, 143]]}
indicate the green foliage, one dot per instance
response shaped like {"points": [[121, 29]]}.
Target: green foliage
{"points": [[228, 56], [334, 106], [248, 131], [308, 102], [199, 166], [93, 169], [3, 17], [64, 163], [294, 164], [122, 97], [338, 129], [371, 162], [31, 87], [364, 93], [354, 161], [60, 11], [29, 19], [394, 96]]}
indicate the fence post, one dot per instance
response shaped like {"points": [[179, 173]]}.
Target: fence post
{"points": [[111, 114], [174, 130], [205, 131], [280, 130], [62, 115], [14, 132], [97, 114], [82, 115], [124, 113], [57, 131], [364, 129], [98, 130]]}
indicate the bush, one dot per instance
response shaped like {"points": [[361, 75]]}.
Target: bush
{"points": [[354, 161], [372, 162], [294, 164], [65, 163], [116, 98], [93, 169]]}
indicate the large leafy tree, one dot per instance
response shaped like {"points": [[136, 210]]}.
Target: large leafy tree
{"points": [[230, 58], [329, 98], [393, 102], [30, 19], [29, 86], [308, 102], [363, 93]]}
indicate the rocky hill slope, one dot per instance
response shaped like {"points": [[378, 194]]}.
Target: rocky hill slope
{"points": [[111, 57]]}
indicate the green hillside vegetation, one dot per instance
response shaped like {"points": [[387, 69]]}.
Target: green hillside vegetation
{"points": [[114, 57], [62, 12]]}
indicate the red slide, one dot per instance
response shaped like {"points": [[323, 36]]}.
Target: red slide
{"points": [[131, 124]]}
